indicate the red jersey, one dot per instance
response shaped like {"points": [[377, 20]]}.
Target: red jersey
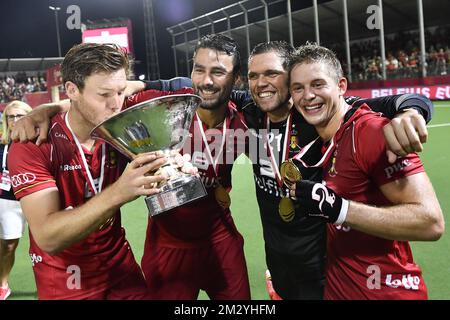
{"points": [[361, 266], [204, 221], [102, 258]]}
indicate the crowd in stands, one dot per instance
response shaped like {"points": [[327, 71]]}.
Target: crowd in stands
{"points": [[402, 61], [402, 55], [15, 87]]}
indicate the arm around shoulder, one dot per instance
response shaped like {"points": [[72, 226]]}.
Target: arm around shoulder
{"points": [[55, 228], [36, 124]]}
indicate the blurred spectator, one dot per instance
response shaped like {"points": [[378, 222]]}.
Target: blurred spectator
{"points": [[391, 66], [441, 64], [402, 55], [12, 220], [14, 88]]}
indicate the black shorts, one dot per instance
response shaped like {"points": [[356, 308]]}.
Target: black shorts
{"points": [[294, 279]]}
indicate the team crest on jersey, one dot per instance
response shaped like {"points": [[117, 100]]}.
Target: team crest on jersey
{"points": [[332, 171], [293, 145]]}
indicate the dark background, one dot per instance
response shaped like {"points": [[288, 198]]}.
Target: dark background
{"points": [[27, 27]]}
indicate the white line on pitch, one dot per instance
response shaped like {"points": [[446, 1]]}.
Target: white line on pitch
{"points": [[439, 125]]}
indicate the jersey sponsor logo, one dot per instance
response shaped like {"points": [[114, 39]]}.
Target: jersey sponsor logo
{"points": [[68, 167], [395, 281], [406, 281], [35, 259], [320, 194], [397, 167], [265, 168], [269, 185], [332, 171], [208, 182], [61, 135], [22, 178]]}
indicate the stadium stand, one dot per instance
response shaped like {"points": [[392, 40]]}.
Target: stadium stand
{"points": [[15, 87]]}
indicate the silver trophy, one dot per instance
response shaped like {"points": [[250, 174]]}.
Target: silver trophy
{"points": [[157, 124]]}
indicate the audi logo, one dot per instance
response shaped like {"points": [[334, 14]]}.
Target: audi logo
{"points": [[22, 178]]}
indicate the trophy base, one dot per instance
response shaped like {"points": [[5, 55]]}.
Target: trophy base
{"points": [[176, 193]]}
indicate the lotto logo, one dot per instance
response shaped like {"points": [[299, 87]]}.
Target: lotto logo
{"points": [[407, 281], [22, 178], [61, 135]]}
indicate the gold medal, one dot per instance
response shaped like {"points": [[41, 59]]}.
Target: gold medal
{"points": [[286, 209], [290, 173], [222, 197]]}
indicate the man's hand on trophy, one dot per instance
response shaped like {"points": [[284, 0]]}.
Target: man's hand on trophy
{"points": [[137, 179]]}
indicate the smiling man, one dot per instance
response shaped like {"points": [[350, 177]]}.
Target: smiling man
{"points": [[296, 245], [197, 246]]}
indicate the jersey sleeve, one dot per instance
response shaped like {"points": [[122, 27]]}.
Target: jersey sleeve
{"points": [[30, 168], [169, 85], [152, 94], [370, 150], [390, 106]]}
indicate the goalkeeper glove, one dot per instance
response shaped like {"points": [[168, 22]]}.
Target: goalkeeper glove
{"points": [[320, 201]]}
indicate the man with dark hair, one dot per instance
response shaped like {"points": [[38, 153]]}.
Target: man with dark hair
{"points": [[220, 42], [72, 187], [368, 256]]}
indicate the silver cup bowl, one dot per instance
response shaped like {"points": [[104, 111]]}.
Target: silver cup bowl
{"points": [[157, 124]]}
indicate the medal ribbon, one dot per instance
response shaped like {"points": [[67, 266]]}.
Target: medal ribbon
{"points": [[85, 165], [208, 150], [286, 142], [326, 154]]}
